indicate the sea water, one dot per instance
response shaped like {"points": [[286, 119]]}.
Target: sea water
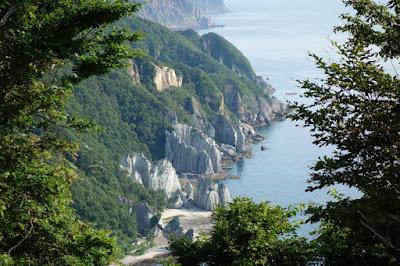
{"points": [[276, 36]]}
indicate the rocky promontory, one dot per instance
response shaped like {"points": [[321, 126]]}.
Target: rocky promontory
{"points": [[182, 14]]}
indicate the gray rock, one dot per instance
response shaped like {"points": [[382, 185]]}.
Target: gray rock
{"points": [[228, 150], [264, 148], [174, 227], [241, 140], [183, 195], [190, 234], [224, 130], [176, 204], [133, 72], [193, 107], [270, 109], [212, 200], [143, 217], [189, 191], [228, 133], [257, 138], [189, 204], [256, 111], [224, 195], [164, 177], [248, 130], [207, 194], [138, 167], [191, 151], [160, 177]]}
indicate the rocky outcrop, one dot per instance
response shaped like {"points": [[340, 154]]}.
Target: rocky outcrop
{"points": [[209, 195], [177, 227], [174, 227], [165, 78], [224, 195], [180, 14], [256, 111], [227, 133], [137, 167], [143, 217], [133, 71], [191, 151], [251, 134], [162, 176], [228, 150], [270, 109], [193, 108]]}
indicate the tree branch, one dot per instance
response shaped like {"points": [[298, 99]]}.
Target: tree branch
{"points": [[20, 242], [4, 19], [382, 238]]}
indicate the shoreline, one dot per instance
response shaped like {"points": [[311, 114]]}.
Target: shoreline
{"points": [[199, 220]]}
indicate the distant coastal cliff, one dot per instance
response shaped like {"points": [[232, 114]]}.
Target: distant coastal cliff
{"points": [[182, 14]]}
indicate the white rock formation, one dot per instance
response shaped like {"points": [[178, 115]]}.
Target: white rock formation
{"points": [[138, 167], [133, 72], [224, 195], [191, 151], [209, 195], [165, 78], [164, 177]]}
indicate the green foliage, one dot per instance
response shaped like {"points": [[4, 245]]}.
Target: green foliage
{"points": [[45, 48], [217, 47], [246, 233], [134, 117], [169, 262], [186, 49], [355, 108]]}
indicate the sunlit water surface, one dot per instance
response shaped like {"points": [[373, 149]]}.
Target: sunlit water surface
{"points": [[276, 36]]}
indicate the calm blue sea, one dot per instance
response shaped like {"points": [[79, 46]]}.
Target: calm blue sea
{"points": [[276, 36]]}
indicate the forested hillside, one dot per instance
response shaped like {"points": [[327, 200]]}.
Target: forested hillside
{"points": [[134, 112]]}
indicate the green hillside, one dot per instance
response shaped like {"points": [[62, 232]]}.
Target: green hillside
{"points": [[134, 117]]}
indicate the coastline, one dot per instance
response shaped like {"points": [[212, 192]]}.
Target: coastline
{"points": [[199, 221]]}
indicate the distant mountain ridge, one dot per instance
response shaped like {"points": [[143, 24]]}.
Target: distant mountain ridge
{"points": [[182, 14]]}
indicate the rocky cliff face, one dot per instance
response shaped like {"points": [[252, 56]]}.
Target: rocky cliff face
{"points": [[256, 111], [211, 6], [137, 167], [191, 151], [209, 195], [133, 71], [165, 78], [228, 133], [164, 177], [143, 217], [181, 14], [161, 176]]}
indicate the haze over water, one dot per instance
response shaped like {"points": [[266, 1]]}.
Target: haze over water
{"points": [[276, 36]]}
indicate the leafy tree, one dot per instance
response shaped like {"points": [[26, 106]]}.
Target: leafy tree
{"points": [[355, 108], [46, 47], [246, 233]]}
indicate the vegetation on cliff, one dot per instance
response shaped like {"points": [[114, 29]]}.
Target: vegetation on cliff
{"points": [[355, 108], [133, 116], [46, 47]]}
